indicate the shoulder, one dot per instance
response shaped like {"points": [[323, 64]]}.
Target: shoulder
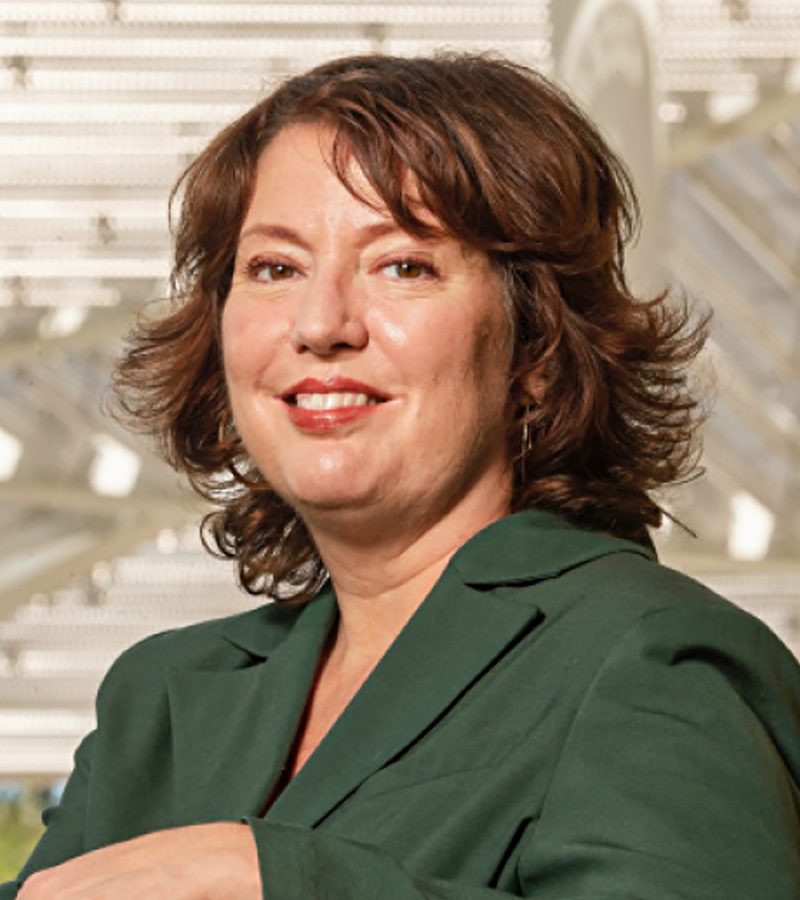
{"points": [[211, 645], [647, 587], [622, 607], [591, 589], [624, 588], [683, 742], [645, 630], [635, 592]]}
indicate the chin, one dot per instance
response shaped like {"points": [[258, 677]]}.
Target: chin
{"points": [[335, 495], [330, 480]]}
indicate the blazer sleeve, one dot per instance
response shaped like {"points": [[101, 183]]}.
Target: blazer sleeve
{"points": [[63, 838], [678, 781], [681, 775]]}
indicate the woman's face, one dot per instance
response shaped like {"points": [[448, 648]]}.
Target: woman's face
{"points": [[368, 369]]}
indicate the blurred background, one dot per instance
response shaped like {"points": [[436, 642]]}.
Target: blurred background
{"points": [[103, 102]]}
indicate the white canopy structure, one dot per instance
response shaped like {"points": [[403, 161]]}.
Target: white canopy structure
{"points": [[102, 103]]}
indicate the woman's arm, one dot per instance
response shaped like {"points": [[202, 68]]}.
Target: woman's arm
{"points": [[680, 778], [678, 781], [216, 860]]}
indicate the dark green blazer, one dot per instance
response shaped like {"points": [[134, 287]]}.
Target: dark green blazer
{"points": [[563, 719]]}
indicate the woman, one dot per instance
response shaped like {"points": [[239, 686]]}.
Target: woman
{"points": [[403, 357]]}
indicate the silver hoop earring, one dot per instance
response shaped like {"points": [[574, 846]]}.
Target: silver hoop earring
{"points": [[527, 433], [526, 444], [527, 439]]}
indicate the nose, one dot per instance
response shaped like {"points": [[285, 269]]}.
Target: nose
{"points": [[328, 317]]}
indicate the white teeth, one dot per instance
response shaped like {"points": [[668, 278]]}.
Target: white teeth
{"points": [[333, 401]]}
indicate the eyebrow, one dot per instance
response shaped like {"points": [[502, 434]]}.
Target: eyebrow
{"points": [[284, 233]]}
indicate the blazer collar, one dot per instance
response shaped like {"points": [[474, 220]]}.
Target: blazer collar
{"points": [[523, 548], [460, 631], [532, 545], [232, 729], [249, 716], [260, 631], [447, 645]]}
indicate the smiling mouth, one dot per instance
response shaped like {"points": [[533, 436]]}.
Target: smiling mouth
{"points": [[325, 402]]}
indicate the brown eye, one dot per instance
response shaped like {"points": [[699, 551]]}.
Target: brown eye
{"points": [[409, 269], [271, 271]]}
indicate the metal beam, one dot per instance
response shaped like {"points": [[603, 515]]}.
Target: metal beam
{"points": [[84, 420], [726, 469], [120, 536], [78, 498], [774, 264], [102, 326], [717, 564], [691, 144], [686, 261]]}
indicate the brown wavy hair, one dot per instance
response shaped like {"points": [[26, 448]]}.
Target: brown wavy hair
{"points": [[509, 166]]}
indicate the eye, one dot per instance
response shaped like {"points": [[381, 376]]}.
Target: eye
{"points": [[410, 269], [267, 270]]}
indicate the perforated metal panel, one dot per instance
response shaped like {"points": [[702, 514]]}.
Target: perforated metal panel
{"points": [[103, 103]]}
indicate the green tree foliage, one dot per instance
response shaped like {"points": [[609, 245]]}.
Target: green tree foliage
{"points": [[17, 837]]}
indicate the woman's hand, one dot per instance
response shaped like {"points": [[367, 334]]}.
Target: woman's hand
{"points": [[200, 862]]}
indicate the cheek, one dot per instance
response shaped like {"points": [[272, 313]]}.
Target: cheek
{"points": [[486, 354], [248, 341], [493, 351], [490, 372], [232, 334], [396, 331]]}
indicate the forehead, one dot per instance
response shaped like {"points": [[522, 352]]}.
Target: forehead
{"points": [[296, 187], [315, 150], [306, 155]]}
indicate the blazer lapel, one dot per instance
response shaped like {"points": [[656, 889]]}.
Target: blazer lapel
{"points": [[232, 730], [474, 614], [452, 639]]}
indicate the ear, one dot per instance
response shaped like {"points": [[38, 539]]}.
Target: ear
{"points": [[534, 385]]}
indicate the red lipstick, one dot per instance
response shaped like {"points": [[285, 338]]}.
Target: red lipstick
{"points": [[312, 408]]}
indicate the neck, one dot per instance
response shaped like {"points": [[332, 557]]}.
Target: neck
{"points": [[381, 581]]}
